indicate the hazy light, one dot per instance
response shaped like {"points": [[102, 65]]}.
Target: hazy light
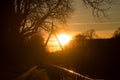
{"points": [[64, 39], [53, 44]]}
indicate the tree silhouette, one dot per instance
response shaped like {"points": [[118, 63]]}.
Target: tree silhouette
{"points": [[79, 40], [90, 34], [117, 34], [21, 19], [24, 17], [98, 6]]}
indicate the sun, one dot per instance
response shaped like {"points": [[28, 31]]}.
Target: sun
{"points": [[64, 39], [53, 44]]}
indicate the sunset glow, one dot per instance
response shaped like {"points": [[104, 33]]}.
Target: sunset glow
{"points": [[64, 39], [53, 44]]}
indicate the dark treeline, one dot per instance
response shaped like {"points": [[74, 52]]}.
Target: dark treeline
{"points": [[99, 58], [16, 58], [96, 58], [21, 48]]}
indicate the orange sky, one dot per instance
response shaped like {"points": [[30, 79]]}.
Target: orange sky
{"points": [[82, 20]]}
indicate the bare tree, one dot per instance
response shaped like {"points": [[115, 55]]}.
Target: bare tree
{"points": [[117, 34], [40, 14], [90, 34], [80, 40], [25, 17], [43, 13], [98, 6], [22, 18]]}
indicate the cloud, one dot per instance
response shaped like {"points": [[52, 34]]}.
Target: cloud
{"points": [[93, 23]]}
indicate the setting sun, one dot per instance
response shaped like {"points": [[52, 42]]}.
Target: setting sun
{"points": [[53, 44], [64, 39]]}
